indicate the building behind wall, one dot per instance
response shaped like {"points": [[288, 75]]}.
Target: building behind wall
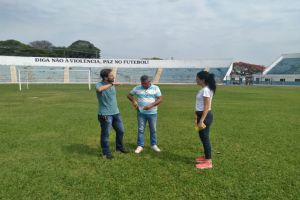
{"points": [[242, 73]]}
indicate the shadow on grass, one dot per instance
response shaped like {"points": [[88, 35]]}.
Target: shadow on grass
{"points": [[81, 149], [130, 146], [165, 155], [88, 150]]}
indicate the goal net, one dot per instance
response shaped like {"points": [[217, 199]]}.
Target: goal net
{"points": [[53, 76]]}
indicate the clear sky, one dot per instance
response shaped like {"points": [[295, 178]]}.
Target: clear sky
{"points": [[255, 31]]}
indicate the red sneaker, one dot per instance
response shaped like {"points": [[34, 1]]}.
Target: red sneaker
{"points": [[200, 159], [204, 165]]}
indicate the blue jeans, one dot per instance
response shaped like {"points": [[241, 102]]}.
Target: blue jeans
{"points": [[142, 120], [204, 134], [106, 122]]}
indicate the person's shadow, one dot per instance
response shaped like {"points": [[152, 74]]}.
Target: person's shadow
{"points": [[81, 149], [169, 156], [165, 154]]}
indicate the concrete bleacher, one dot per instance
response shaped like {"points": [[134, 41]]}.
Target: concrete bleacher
{"points": [[95, 74], [286, 66], [179, 75], [219, 73], [41, 74], [283, 71], [80, 75], [132, 75], [5, 76], [79, 70], [37, 74]]}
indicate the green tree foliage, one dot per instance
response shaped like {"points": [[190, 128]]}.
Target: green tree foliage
{"points": [[41, 44], [83, 49], [78, 49], [13, 48], [153, 58]]}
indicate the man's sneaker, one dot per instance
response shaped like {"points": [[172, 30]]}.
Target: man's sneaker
{"points": [[200, 159], [108, 156], [155, 148], [204, 165], [139, 149], [122, 150]]}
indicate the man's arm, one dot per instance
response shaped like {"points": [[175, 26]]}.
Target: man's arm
{"points": [[133, 101], [155, 103], [106, 87]]}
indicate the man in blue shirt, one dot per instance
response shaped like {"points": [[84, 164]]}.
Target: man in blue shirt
{"points": [[148, 97], [108, 113]]}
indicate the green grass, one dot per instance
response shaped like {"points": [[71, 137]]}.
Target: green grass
{"points": [[50, 146]]}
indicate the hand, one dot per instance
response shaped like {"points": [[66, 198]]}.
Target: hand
{"points": [[147, 107], [116, 83], [134, 104], [201, 125]]}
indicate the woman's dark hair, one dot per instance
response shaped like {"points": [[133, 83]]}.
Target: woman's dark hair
{"points": [[104, 73], [209, 80]]}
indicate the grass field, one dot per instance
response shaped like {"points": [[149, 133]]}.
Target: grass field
{"points": [[50, 146]]}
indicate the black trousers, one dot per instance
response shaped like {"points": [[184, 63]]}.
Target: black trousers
{"points": [[204, 133]]}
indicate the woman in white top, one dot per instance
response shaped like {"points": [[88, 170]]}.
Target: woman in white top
{"points": [[204, 116]]}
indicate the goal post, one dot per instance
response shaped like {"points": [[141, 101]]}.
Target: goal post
{"points": [[53, 76]]}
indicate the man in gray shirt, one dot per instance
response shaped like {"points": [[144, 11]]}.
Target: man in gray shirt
{"points": [[108, 113]]}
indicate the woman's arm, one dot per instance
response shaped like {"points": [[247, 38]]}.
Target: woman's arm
{"points": [[205, 111]]}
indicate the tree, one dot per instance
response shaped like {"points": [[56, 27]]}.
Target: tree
{"points": [[43, 48], [13, 44], [41, 44], [153, 58], [13, 48], [83, 49]]}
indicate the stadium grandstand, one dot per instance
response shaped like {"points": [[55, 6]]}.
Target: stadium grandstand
{"points": [[284, 71], [30, 70], [44, 70]]}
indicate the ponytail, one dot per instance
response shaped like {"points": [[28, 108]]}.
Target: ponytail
{"points": [[209, 80], [212, 82]]}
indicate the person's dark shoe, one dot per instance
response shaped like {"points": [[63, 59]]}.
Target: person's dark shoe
{"points": [[108, 156], [122, 151]]}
